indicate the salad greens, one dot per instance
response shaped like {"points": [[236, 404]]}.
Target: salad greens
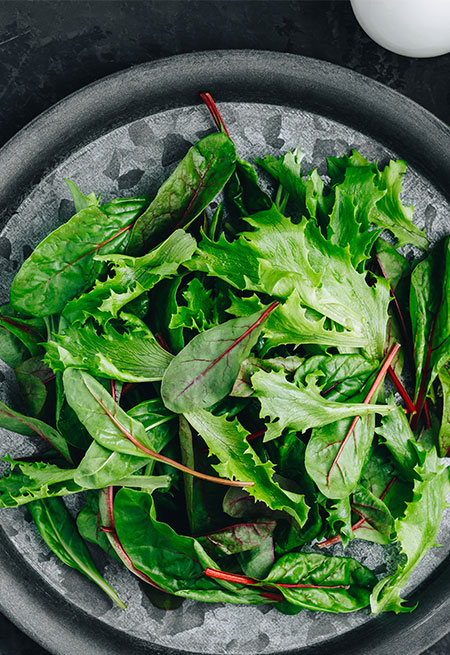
{"points": [[214, 389]]}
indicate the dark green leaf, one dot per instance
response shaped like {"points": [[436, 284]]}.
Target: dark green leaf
{"points": [[60, 534], [196, 181]]}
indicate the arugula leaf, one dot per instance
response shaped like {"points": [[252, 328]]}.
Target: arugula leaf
{"points": [[430, 316], [227, 441], [416, 531], [130, 355], [62, 537], [196, 181], [32, 427], [63, 264], [130, 277], [205, 370], [305, 192], [301, 406], [318, 582]]}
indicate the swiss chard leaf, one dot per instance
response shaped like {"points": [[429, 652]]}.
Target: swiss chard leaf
{"points": [[227, 441], [416, 532], [196, 181], [62, 537], [444, 431], [205, 370], [31, 331], [378, 524]]}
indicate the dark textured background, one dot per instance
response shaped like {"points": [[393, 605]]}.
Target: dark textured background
{"points": [[51, 48]]}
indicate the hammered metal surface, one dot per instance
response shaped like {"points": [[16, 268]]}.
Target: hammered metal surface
{"points": [[135, 159]]}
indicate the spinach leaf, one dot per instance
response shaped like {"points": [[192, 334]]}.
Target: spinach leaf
{"points": [[227, 441], [63, 264], [59, 532], [430, 316], [416, 531], [129, 353], [258, 561], [174, 562], [205, 370], [129, 278], [301, 406], [318, 582], [196, 181], [32, 427]]}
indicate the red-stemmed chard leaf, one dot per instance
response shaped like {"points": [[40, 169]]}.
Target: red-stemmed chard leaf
{"points": [[113, 428], [205, 370]]}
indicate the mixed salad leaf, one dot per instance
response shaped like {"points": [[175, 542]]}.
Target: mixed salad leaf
{"points": [[207, 368]]}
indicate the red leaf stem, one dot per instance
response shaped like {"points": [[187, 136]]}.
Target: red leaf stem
{"points": [[381, 373], [243, 579], [112, 530], [402, 391], [248, 331], [215, 113], [163, 458], [255, 435]]}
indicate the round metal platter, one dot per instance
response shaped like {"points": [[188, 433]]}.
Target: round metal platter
{"points": [[122, 136]]}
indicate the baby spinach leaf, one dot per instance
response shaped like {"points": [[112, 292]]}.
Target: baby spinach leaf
{"points": [[196, 181], [130, 277], [80, 200], [340, 376], [205, 370], [430, 316], [301, 406], [31, 331], [174, 562], [227, 441], [416, 531], [100, 467], [32, 427], [67, 421], [378, 522], [130, 355], [318, 582], [258, 561], [59, 532], [63, 264]]}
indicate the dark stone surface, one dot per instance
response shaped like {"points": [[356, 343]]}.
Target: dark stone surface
{"points": [[50, 49]]}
